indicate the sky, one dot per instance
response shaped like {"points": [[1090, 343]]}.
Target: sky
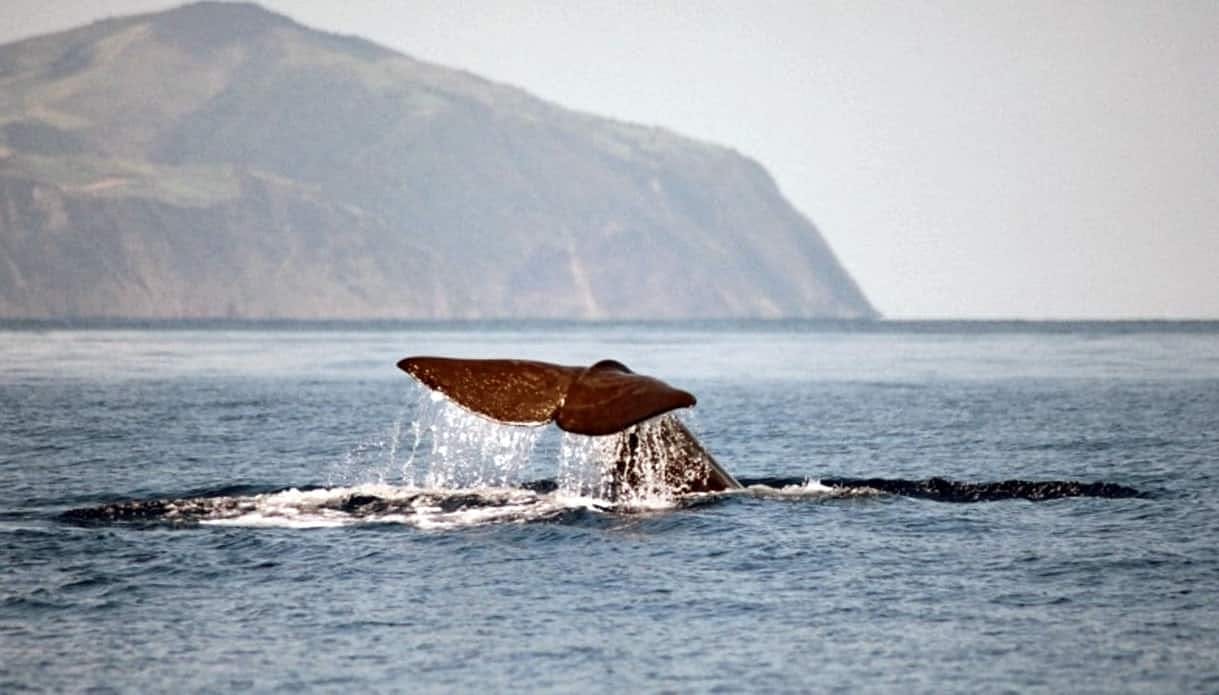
{"points": [[1024, 159]]}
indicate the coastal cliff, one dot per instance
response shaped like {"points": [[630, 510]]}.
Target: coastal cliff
{"points": [[220, 160]]}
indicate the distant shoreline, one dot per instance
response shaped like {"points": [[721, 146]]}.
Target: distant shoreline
{"points": [[562, 325]]}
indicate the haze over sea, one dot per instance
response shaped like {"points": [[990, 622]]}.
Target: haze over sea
{"points": [[793, 589]]}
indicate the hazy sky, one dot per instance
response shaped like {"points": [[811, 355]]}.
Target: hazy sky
{"points": [[1030, 159]]}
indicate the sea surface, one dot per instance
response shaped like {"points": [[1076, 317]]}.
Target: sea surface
{"points": [[788, 588]]}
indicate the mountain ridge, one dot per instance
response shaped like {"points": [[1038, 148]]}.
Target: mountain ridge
{"points": [[220, 160]]}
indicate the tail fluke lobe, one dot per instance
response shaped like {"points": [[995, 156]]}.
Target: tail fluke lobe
{"points": [[608, 397], [512, 391]]}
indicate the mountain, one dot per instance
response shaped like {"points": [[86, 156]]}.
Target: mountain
{"points": [[220, 160]]}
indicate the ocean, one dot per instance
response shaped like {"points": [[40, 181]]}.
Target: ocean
{"points": [[360, 535]]}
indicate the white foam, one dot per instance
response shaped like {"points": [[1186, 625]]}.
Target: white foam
{"points": [[260, 520], [648, 504], [412, 506], [809, 489], [455, 452], [482, 515]]}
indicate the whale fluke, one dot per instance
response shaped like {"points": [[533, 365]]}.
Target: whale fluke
{"points": [[605, 398]]}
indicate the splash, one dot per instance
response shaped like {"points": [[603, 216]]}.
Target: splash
{"points": [[804, 489], [443, 447], [655, 465], [374, 460], [643, 467], [586, 466], [464, 450], [448, 450], [333, 507], [375, 504]]}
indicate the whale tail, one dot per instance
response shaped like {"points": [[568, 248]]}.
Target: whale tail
{"points": [[666, 459], [604, 399]]}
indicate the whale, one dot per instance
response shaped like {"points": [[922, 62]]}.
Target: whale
{"points": [[606, 399], [651, 454]]}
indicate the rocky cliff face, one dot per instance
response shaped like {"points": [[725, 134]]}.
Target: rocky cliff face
{"points": [[222, 161]]}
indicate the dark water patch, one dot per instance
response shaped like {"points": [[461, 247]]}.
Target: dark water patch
{"points": [[774, 481], [542, 486]]}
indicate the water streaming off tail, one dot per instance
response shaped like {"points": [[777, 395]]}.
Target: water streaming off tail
{"points": [[436, 444], [454, 448], [656, 463], [586, 465], [645, 465]]}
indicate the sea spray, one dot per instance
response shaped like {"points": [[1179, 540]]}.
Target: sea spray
{"points": [[373, 460], [454, 448], [435, 444], [586, 465], [634, 468]]}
